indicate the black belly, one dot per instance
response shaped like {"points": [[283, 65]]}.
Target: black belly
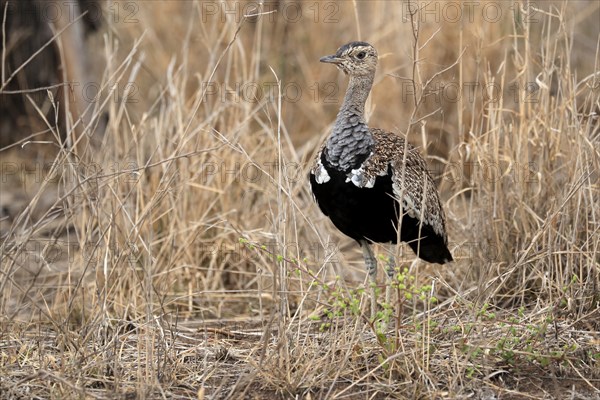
{"points": [[361, 213], [373, 213]]}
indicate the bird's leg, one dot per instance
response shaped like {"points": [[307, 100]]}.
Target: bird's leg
{"points": [[371, 265], [370, 261], [390, 272]]}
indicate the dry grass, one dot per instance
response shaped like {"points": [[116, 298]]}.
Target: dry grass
{"points": [[186, 258]]}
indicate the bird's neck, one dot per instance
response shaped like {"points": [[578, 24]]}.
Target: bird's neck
{"points": [[358, 90], [350, 142]]}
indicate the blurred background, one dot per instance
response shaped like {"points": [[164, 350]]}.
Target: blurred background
{"points": [[155, 157]]}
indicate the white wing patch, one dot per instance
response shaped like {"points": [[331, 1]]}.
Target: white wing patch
{"points": [[358, 178], [362, 180], [321, 175]]}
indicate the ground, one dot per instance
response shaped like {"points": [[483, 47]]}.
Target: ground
{"points": [[178, 253]]}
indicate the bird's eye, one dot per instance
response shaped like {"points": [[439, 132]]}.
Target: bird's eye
{"points": [[361, 55]]}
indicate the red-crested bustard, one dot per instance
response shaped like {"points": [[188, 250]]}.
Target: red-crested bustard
{"points": [[364, 179]]}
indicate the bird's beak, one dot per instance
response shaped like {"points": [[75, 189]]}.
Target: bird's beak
{"points": [[333, 59]]}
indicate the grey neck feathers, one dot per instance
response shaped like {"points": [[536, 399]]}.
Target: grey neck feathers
{"points": [[351, 143]]}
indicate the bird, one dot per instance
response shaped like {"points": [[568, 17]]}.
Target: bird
{"points": [[372, 184]]}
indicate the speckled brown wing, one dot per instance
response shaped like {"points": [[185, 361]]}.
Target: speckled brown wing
{"points": [[411, 180]]}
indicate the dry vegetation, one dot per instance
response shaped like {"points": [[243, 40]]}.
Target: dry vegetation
{"points": [[184, 257]]}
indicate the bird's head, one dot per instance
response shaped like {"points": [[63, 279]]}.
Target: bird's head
{"points": [[354, 58]]}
